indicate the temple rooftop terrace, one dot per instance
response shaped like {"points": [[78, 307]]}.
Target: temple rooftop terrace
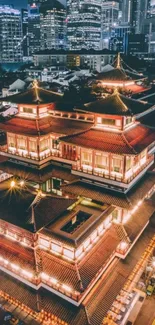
{"points": [[27, 207]]}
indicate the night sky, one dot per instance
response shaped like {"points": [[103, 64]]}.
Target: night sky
{"points": [[19, 3], [16, 3]]}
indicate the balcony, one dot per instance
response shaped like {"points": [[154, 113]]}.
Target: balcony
{"points": [[114, 178]]}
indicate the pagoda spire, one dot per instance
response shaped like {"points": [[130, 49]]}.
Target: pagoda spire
{"points": [[35, 86], [118, 61]]}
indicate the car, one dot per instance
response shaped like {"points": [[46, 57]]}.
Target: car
{"points": [[150, 289]]}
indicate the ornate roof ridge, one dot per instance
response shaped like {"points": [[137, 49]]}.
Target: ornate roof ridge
{"points": [[126, 141]]}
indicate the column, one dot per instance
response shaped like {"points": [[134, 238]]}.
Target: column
{"points": [[110, 164], [28, 149]]}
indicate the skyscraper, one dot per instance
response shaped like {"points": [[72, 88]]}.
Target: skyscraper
{"points": [[138, 13], [109, 19], [84, 24], [24, 13], [33, 29], [10, 34], [52, 25]]}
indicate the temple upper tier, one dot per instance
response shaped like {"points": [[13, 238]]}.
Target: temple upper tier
{"points": [[118, 76], [103, 141]]}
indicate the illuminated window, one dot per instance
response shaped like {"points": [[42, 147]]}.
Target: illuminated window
{"points": [[27, 110], [68, 253], [101, 161], [11, 141], [44, 242], [22, 143], [79, 251], [32, 146], [94, 235], [128, 163], [87, 158], [86, 243], [56, 248], [106, 121], [44, 144], [115, 214], [117, 165], [128, 120]]}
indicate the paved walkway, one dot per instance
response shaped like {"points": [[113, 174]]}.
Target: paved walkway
{"points": [[147, 313], [17, 312]]}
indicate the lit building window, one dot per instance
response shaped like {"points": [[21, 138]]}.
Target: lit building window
{"points": [[68, 253], [56, 248]]}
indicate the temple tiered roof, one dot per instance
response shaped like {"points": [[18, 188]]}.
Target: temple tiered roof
{"points": [[117, 104], [42, 126], [118, 75], [115, 75], [33, 96], [131, 141], [93, 309], [33, 174], [100, 194]]}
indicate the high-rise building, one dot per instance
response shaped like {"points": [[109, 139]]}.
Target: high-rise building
{"points": [[138, 13], [52, 25], [24, 13], [109, 20], [84, 24], [10, 34], [33, 29], [126, 11], [150, 8]]}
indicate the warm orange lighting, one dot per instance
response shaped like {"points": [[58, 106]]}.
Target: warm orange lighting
{"points": [[12, 184], [22, 183]]}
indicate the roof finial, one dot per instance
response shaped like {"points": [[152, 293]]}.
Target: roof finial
{"points": [[115, 91], [118, 64], [35, 83]]}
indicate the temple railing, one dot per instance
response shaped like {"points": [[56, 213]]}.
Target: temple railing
{"points": [[115, 176]]}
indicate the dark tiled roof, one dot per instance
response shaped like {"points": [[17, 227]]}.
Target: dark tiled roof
{"points": [[44, 126], [116, 74], [139, 219], [54, 231], [16, 208], [100, 194], [49, 302], [96, 304], [33, 96], [117, 104], [16, 253], [34, 174], [132, 141], [148, 120]]}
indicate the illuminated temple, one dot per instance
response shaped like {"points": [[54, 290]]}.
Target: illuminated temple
{"points": [[76, 203], [120, 77]]}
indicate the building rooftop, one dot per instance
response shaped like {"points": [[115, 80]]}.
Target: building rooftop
{"points": [[74, 226], [148, 120], [100, 194], [75, 52], [117, 104], [93, 309], [116, 74], [45, 125], [17, 203], [131, 141], [33, 96], [33, 174]]}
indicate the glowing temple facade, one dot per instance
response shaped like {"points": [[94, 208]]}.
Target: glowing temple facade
{"points": [[76, 194]]}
